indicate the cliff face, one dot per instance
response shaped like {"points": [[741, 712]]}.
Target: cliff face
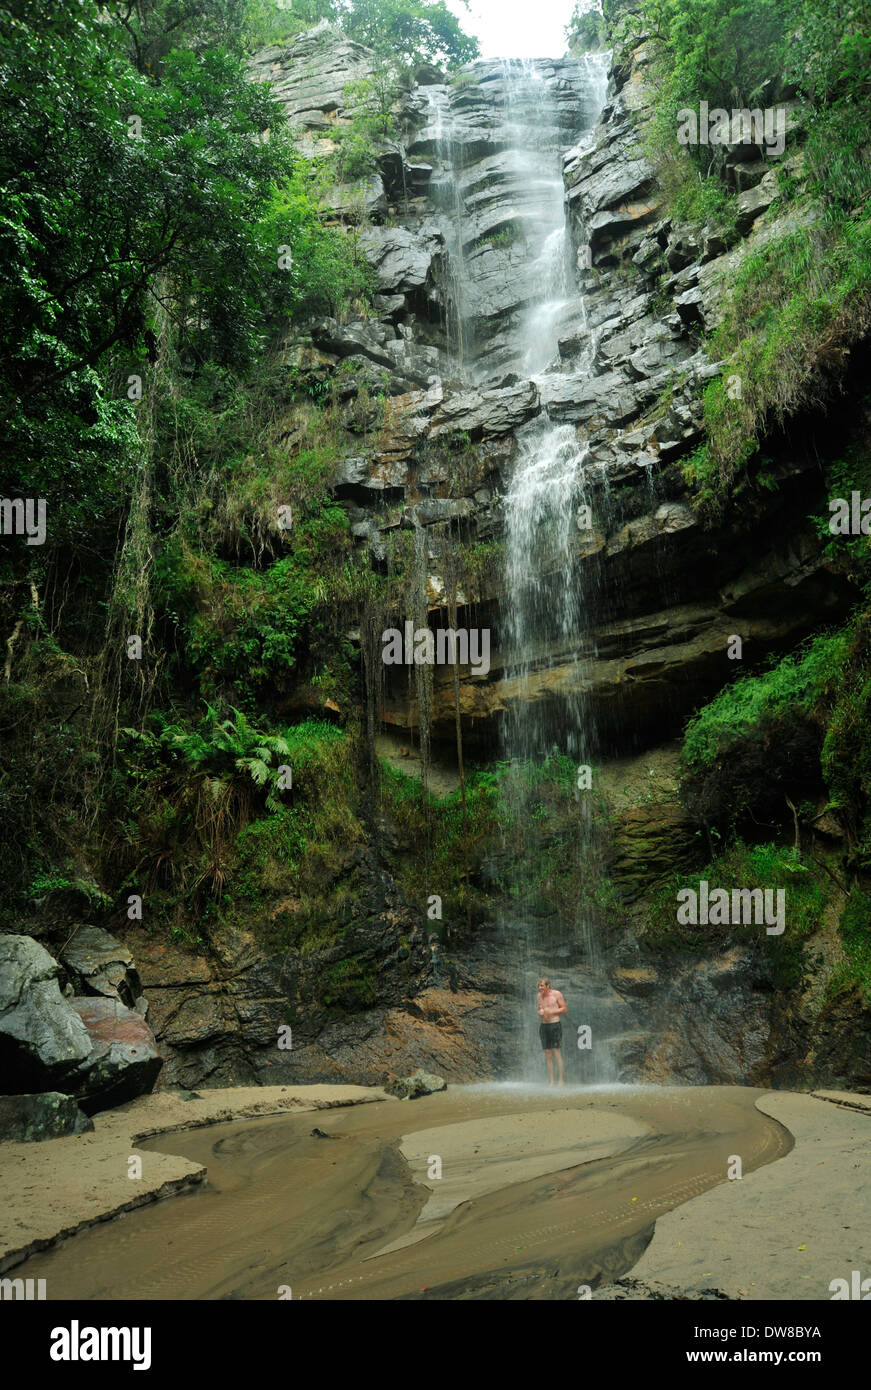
{"points": [[447, 249], [457, 204]]}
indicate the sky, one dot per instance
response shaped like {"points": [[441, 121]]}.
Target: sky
{"points": [[517, 28]]}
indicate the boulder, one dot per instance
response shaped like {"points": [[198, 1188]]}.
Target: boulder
{"points": [[29, 1119], [754, 201], [42, 1038], [420, 1083], [123, 1062]]}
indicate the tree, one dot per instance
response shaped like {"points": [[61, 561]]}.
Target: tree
{"points": [[152, 28], [276, 21], [414, 31], [111, 178], [720, 51], [585, 31]]}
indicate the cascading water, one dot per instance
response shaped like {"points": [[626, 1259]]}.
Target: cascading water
{"points": [[504, 218]]}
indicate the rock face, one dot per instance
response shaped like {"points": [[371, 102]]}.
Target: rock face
{"points": [[99, 964], [311, 73], [663, 593]]}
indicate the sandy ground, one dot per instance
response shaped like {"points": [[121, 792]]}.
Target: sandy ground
{"points": [[541, 1193], [786, 1231], [52, 1189]]}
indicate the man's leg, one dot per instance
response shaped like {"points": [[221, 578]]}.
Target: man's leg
{"points": [[548, 1057], [559, 1058]]}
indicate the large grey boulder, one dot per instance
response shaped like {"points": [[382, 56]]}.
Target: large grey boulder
{"points": [[90, 1047], [42, 1038]]}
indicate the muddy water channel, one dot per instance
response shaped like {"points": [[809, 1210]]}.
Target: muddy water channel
{"points": [[480, 1192]]}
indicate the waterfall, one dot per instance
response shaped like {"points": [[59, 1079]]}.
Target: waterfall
{"points": [[504, 220]]}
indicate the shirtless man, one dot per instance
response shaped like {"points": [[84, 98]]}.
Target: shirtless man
{"points": [[551, 1007]]}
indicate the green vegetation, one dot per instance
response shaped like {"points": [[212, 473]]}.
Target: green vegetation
{"points": [[413, 31], [501, 236], [764, 866], [231, 816], [753, 702], [797, 306], [854, 973], [786, 737], [371, 99], [517, 839], [155, 248], [291, 862], [809, 895], [586, 30], [759, 745], [409, 31], [793, 312]]}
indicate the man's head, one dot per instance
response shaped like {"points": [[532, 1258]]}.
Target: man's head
{"points": [[543, 986]]}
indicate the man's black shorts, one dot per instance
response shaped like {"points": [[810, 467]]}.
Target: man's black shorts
{"points": [[551, 1035]]}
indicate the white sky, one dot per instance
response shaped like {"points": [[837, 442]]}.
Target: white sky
{"points": [[517, 28]]}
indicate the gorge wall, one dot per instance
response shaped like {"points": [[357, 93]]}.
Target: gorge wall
{"points": [[507, 333]]}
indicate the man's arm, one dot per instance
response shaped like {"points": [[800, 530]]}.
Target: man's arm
{"points": [[563, 1007]]}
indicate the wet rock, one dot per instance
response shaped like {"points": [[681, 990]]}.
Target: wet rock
{"points": [[30, 1119], [375, 341], [585, 398], [651, 842], [634, 1290], [641, 981], [420, 1083]]}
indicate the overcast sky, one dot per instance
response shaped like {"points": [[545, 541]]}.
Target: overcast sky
{"points": [[517, 28]]}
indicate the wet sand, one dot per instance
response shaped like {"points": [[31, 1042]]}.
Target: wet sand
{"points": [[542, 1191]]}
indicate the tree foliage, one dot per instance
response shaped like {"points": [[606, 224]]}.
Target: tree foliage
{"points": [[413, 31]]}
